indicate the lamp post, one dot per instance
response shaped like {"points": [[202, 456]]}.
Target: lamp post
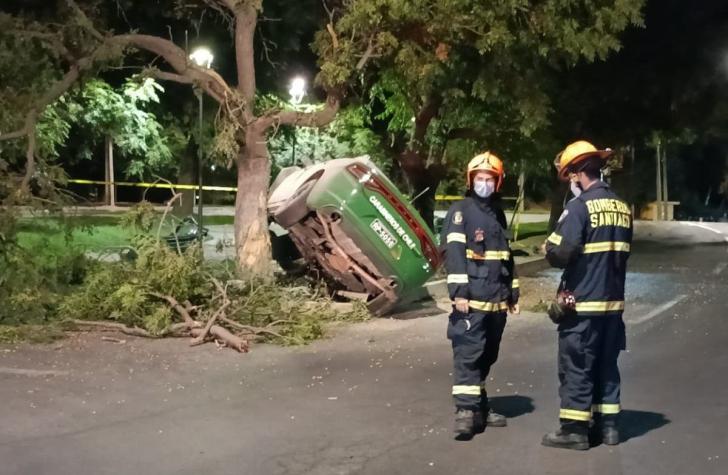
{"points": [[202, 57], [297, 91]]}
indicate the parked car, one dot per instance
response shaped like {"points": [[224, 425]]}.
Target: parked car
{"points": [[352, 225]]}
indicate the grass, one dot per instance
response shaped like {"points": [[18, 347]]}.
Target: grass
{"points": [[89, 233], [12, 334], [527, 230], [92, 233]]}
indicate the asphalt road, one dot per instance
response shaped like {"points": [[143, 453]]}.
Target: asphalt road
{"points": [[374, 399]]}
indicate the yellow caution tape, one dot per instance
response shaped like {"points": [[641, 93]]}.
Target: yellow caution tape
{"points": [[209, 188], [154, 185]]}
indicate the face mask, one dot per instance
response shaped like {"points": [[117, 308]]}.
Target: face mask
{"points": [[484, 188], [575, 189]]}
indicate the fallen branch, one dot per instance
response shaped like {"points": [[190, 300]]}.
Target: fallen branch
{"points": [[176, 328], [230, 340], [200, 339], [182, 311], [112, 326], [253, 330]]}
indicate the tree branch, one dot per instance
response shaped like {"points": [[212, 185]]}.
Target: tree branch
{"points": [[167, 76], [84, 20], [208, 79], [52, 40], [230, 4], [16, 134], [31, 118], [318, 118], [181, 311], [427, 112], [246, 17], [366, 56]]}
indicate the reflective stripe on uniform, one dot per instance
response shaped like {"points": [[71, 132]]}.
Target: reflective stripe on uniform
{"points": [[457, 278], [472, 390], [606, 408], [606, 246], [575, 415], [515, 284], [600, 306], [456, 237], [488, 306], [488, 256], [555, 239]]}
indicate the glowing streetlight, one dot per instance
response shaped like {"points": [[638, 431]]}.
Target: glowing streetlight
{"points": [[297, 90], [202, 57]]}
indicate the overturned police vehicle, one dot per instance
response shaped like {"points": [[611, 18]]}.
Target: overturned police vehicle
{"points": [[353, 227]]}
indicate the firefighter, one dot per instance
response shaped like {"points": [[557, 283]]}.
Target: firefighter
{"points": [[482, 284], [591, 243]]}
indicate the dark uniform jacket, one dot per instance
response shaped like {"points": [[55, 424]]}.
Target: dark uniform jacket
{"points": [[478, 258], [592, 243]]}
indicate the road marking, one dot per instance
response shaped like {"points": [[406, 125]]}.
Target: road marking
{"points": [[719, 268], [435, 282], [656, 311], [31, 372]]}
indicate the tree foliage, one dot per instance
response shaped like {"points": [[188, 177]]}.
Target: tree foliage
{"points": [[349, 135], [465, 69], [97, 111]]}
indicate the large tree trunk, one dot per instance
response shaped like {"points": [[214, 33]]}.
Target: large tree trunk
{"points": [[252, 241]]}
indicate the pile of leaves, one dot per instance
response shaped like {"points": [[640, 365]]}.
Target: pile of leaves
{"points": [[164, 293], [156, 291]]}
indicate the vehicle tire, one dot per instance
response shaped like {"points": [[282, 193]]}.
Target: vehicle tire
{"points": [[284, 251], [295, 208]]}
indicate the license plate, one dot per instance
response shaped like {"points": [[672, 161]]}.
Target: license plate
{"points": [[387, 238]]}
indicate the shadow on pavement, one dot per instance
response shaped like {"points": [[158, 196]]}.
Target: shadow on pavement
{"points": [[634, 424], [511, 406]]}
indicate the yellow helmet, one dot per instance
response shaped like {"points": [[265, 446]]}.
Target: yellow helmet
{"points": [[576, 153], [487, 162]]}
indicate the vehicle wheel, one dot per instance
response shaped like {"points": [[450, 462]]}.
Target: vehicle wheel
{"points": [[295, 208], [284, 251]]}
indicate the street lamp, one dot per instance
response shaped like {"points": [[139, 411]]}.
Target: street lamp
{"points": [[297, 91], [202, 57]]}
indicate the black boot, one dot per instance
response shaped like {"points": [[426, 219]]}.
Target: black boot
{"points": [[465, 424], [570, 436], [610, 435], [609, 430]]}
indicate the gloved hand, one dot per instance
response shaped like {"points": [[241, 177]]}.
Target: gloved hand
{"points": [[462, 305]]}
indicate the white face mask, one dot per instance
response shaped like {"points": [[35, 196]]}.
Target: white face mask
{"points": [[484, 188], [575, 189]]}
